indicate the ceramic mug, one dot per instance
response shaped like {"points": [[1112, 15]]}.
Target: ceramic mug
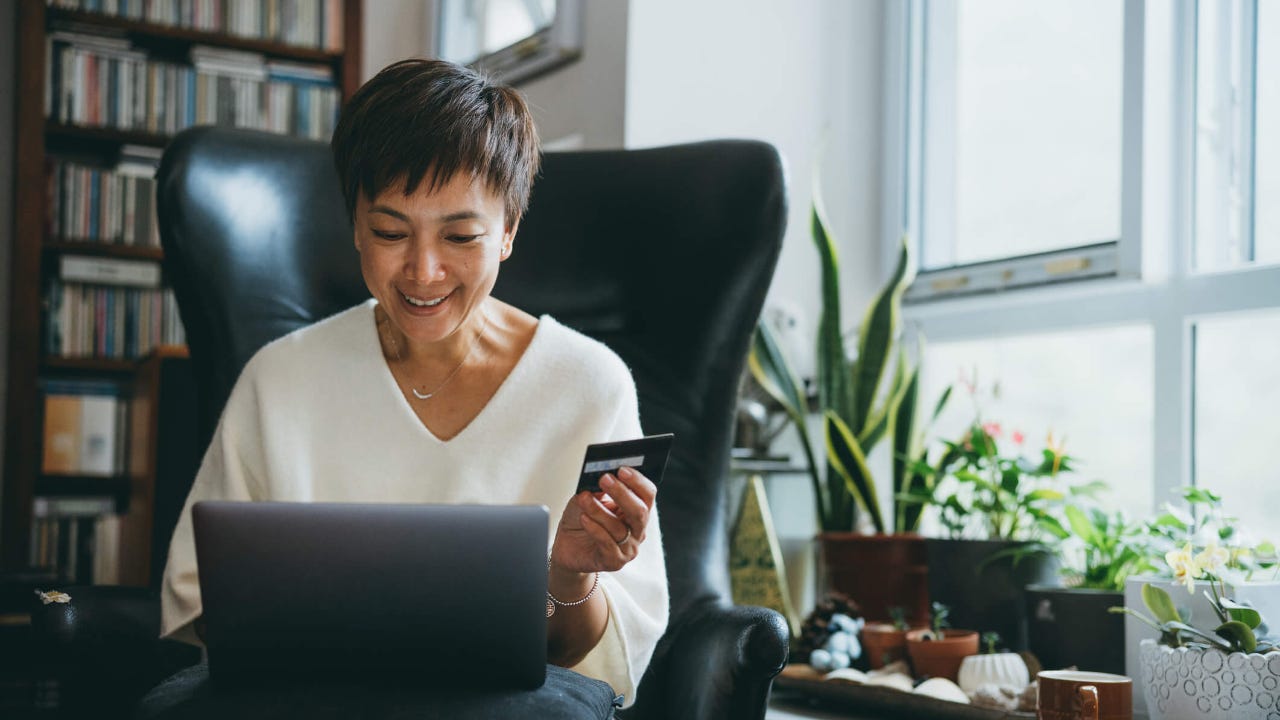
{"points": [[1076, 695]]}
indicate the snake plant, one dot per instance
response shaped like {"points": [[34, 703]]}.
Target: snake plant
{"points": [[858, 409]]}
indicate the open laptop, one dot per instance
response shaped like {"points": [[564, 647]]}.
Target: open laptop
{"points": [[443, 595]]}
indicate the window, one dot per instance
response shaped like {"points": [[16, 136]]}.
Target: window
{"points": [[1133, 149]]}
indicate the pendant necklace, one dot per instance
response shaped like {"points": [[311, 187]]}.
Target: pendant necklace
{"points": [[472, 349]]}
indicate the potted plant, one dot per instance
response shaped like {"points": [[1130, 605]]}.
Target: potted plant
{"points": [[938, 651], [886, 643], [997, 509], [1231, 670], [1250, 573], [1002, 669], [863, 398], [1069, 626]]}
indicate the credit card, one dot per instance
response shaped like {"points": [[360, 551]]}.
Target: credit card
{"points": [[647, 455]]}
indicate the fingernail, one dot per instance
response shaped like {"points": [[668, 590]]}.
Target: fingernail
{"points": [[625, 472], [606, 481]]}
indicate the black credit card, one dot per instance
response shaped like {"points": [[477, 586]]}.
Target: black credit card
{"points": [[648, 455]]}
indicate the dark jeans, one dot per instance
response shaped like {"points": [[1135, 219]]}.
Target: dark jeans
{"points": [[190, 695]]}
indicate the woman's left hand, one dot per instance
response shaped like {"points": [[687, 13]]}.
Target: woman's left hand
{"points": [[602, 532]]}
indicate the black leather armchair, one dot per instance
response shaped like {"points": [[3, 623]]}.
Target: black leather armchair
{"points": [[663, 254]]}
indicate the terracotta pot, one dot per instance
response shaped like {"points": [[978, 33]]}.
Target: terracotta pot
{"points": [[941, 657], [879, 572], [882, 644]]}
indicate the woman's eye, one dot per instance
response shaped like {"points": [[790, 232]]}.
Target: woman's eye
{"points": [[460, 239], [385, 235]]}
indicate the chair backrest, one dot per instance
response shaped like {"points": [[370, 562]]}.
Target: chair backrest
{"points": [[663, 254]]}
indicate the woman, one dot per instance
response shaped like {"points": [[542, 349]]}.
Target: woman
{"points": [[435, 392]]}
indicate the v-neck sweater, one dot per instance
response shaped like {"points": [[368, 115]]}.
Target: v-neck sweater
{"points": [[317, 416]]}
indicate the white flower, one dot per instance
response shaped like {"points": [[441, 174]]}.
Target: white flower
{"points": [[1184, 567], [1213, 559]]}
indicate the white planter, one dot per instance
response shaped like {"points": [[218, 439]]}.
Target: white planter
{"points": [[1185, 684], [1005, 669], [1264, 596]]}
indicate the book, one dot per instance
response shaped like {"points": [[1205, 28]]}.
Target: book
{"points": [[83, 423], [61, 434], [109, 271]]}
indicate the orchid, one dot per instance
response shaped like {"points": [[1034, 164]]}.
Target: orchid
{"points": [[1184, 566], [1214, 558]]}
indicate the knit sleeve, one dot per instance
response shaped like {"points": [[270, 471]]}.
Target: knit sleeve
{"points": [[229, 471], [636, 594]]}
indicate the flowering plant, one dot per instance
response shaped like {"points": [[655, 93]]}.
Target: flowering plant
{"points": [[985, 492], [1185, 535], [1241, 628]]}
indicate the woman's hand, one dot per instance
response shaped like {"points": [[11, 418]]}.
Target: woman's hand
{"points": [[602, 532]]}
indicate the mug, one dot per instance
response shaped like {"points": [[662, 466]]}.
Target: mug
{"points": [[1076, 695]]}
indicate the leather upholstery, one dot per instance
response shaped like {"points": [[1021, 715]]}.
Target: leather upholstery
{"points": [[663, 254]]}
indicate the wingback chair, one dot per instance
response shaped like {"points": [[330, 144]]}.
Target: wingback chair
{"points": [[663, 254]]}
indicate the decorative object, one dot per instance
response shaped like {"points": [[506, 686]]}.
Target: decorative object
{"points": [[822, 623], [942, 689], [756, 571], [1004, 669], [1075, 695], [886, 643], [939, 651], [859, 410], [799, 685]]}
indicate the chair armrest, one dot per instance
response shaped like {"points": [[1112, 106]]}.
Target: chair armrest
{"points": [[103, 647], [723, 660]]}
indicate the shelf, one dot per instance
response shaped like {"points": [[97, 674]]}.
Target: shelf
{"points": [[82, 247], [112, 365], [118, 486], [103, 136], [150, 31]]}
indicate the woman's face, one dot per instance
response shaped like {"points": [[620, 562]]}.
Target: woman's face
{"points": [[431, 258]]}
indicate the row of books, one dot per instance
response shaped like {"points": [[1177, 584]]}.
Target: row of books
{"points": [[92, 204], [104, 321], [84, 428], [306, 23], [96, 81], [78, 538]]}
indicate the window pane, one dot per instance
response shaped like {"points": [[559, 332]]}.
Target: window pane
{"points": [[1032, 130], [1237, 391], [1092, 387], [1267, 135]]}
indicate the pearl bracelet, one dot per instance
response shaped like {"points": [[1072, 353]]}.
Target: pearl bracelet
{"points": [[552, 601]]}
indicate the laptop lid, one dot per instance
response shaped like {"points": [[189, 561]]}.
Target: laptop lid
{"points": [[441, 594]]}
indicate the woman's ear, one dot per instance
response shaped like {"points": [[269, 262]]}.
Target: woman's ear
{"points": [[508, 240]]}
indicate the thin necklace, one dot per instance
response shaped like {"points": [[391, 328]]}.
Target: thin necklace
{"points": [[470, 350]]}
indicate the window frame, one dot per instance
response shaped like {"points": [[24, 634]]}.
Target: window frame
{"points": [[1154, 280]]}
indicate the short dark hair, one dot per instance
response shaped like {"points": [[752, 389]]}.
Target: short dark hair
{"points": [[428, 120]]}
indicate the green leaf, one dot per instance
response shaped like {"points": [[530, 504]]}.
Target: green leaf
{"points": [[772, 372], [942, 403], [1241, 613], [1160, 604], [1238, 634], [835, 377], [877, 333], [1053, 527], [1081, 526], [904, 428], [847, 459], [1046, 494]]}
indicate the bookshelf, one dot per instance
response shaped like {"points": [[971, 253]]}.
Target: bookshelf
{"points": [[175, 45]]}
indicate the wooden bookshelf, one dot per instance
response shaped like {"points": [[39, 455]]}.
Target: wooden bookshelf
{"points": [[34, 256]]}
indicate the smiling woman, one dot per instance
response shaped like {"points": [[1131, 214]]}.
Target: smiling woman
{"points": [[438, 379]]}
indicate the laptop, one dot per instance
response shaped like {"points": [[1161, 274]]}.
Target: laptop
{"points": [[442, 595]]}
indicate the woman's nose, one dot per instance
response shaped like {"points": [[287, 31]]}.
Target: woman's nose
{"points": [[425, 263]]}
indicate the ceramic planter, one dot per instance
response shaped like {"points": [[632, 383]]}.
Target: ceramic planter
{"points": [[1069, 627], [883, 644], [985, 594], [1186, 684], [1264, 596], [879, 572], [941, 658], [1004, 669]]}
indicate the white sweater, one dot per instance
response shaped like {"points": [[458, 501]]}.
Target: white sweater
{"points": [[316, 416]]}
